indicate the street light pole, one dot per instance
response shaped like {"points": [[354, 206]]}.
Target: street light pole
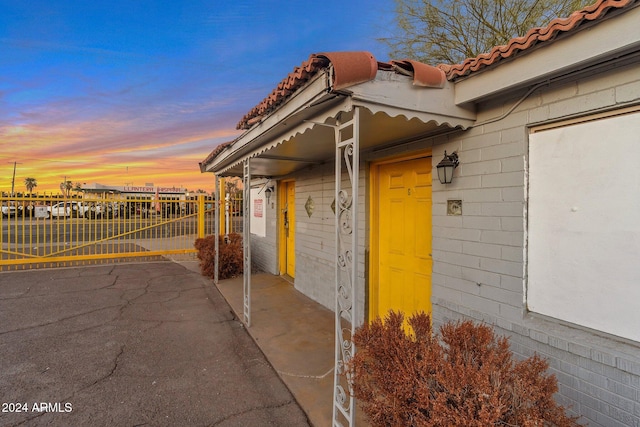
{"points": [[63, 187], [13, 180]]}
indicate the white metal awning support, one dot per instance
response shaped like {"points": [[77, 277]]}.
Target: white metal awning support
{"points": [[293, 136], [246, 243], [216, 229], [347, 136]]}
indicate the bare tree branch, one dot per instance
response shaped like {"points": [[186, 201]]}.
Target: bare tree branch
{"points": [[448, 31]]}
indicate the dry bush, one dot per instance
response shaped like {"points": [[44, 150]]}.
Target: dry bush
{"points": [[465, 377], [231, 260]]}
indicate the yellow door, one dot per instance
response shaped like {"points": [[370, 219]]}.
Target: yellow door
{"points": [[287, 229], [403, 237]]}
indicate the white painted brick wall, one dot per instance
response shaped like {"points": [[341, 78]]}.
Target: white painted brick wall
{"points": [[479, 269], [315, 241], [264, 253], [479, 257], [315, 236]]}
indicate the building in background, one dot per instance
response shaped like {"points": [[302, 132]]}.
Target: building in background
{"points": [[147, 191], [149, 197], [537, 233]]}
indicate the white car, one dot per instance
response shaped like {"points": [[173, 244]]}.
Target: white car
{"points": [[66, 209], [98, 210], [9, 210]]}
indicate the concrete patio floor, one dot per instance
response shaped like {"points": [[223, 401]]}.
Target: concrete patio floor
{"points": [[296, 335]]}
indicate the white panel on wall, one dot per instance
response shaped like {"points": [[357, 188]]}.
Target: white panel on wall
{"points": [[584, 224], [258, 212]]}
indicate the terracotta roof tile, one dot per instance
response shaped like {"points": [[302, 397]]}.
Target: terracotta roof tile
{"points": [[356, 67], [350, 68], [216, 151], [423, 74], [297, 78], [535, 36]]}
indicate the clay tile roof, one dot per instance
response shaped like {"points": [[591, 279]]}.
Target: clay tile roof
{"points": [[535, 36], [349, 68], [216, 151], [354, 67], [423, 74], [297, 78]]}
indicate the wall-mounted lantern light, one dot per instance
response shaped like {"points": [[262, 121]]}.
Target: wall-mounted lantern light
{"points": [[268, 192], [446, 167], [268, 188]]}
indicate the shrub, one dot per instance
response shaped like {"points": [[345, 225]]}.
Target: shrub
{"points": [[466, 377], [231, 260]]}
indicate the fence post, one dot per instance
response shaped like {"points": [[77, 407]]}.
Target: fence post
{"points": [[201, 212]]}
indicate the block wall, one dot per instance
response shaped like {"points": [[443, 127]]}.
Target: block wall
{"points": [[316, 235], [480, 266], [264, 250]]}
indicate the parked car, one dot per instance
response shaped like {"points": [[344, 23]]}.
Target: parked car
{"points": [[99, 210], [67, 209], [26, 209], [9, 209]]}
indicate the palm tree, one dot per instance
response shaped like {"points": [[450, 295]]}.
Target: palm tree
{"points": [[30, 183], [77, 187], [66, 187]]}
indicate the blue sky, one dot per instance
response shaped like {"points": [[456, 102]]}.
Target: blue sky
{"points": [[130, 92]]}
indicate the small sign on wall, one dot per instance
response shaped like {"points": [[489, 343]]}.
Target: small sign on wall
{"points": [[257, 215], [258, 209]]}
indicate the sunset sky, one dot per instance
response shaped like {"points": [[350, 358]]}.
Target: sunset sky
{"points": [[134, 92]]}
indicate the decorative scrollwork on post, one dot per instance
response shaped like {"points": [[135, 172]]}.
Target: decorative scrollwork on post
{"points": [[246, 243], [345, 202], [216, 225], [347, 160], [345, 303]]}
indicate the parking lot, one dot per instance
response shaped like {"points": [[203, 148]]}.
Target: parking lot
{"points": [[130, 344]]}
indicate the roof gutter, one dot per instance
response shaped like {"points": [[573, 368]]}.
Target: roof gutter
{"points": [[316, 96]]}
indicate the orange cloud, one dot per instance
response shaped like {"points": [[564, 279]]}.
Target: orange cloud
{"points": [[108, 153]]}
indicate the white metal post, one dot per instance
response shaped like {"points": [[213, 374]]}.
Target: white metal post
{"points": [[216, 226], [227, 209], [246, 235], [346, 227]]}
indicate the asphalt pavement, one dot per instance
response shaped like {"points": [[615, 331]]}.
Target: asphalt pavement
{"points": [[151, 344]]}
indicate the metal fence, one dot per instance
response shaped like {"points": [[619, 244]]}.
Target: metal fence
{"points": [[231, 215], [56, 231]]}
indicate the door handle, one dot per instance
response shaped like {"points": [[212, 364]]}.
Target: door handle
{"points": [[286, 221]]}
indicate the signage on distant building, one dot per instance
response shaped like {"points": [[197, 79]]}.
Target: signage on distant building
{"points": [[146, 189]]}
